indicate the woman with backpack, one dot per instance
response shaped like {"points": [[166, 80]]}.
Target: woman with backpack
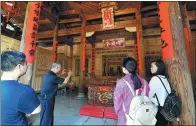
{"points": [[158, 93], [122, 94]]}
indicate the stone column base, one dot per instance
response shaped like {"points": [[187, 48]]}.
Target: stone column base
{"points": [[81, 96]]}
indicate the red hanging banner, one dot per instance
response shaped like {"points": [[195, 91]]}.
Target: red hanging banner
{"points": [[135, 51], [108, 18], [55, 46], [31, 31], [166, 35], [93, 58], [188, 39], [83, 53], [111, 43]]}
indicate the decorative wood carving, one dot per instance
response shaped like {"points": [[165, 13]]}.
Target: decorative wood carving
{"points": [[8, 43]]}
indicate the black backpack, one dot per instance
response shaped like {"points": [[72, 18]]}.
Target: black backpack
{"points": [[172, 105]]}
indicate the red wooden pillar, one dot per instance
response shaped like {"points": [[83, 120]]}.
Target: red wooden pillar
{"points": [[140, 45], [93, 58], [82, 60], [188, 38], [175, 56], [187, 34], [55, 44], [29, 36]]}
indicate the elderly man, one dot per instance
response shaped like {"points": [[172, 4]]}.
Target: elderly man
{"points": [[17, 99], [50, 83]]}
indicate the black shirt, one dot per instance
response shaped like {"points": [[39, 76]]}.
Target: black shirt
{"points": [[50, 83]]}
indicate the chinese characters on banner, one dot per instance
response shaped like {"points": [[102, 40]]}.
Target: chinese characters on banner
{"points": [[111, 43], [55, 45], [31, 30], [136, 51], [166, 35], [83, 53], [108, 18]]}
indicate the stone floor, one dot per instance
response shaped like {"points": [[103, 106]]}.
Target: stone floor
{"points": [[66, 112]]}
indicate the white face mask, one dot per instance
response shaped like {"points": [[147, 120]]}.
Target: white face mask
{"points": [[154, 68]]}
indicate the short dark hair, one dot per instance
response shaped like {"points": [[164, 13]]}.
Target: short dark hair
{"points": [[10, 59], [161, 67]]}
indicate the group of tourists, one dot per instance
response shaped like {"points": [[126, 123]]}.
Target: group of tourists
{"points": [[135, 101]]}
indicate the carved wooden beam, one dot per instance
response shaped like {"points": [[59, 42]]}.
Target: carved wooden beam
{"points": [[45, 21], [67, 12], [150, 20], [192, 15], [151, 13], [89, 28], [45, 41], [98, 27], [90, 17], [77, 8], [95, 16], [149, 8], [48, 15], [148, 33], [193, 26]]}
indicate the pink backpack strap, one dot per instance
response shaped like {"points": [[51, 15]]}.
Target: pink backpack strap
{"points": [[132, 91], [144, 90]]}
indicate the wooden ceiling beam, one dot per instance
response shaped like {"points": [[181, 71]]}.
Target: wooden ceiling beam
{"points": [[149, 8], [46, 12], [97, 27], [193, 26], [151, 13], [45, 21], [89, 28], [77, 7], [70, 20], [147, 32], [192, 15], [89, 17], [92, 17], [150, 20], [45, 41], [67, 12]]}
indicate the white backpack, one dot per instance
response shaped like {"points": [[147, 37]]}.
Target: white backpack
{"points": [[142, 110]]}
